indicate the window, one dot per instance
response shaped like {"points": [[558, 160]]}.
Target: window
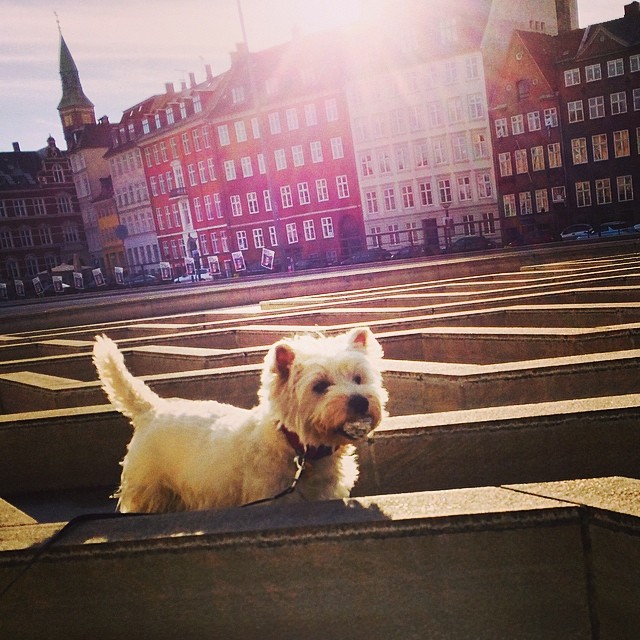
{"points": [[533, 121], [576, 111], [504, 160], [197, 209], [522, 164], [292, 233], [384, 161], [618, 103], [444, 189], [571, 77], [476, 107], [596, 107], [537, 158], [526, 203], [389, 198], [202, 171], [371, 200], [258, 238], [292, 119], [600, 147], [551, 117], [237, 95], [554, 155], [583, 194], [211, 169], [342, 186], [542, 201], [517, 124], [454, 110], [223, 135], [273, 237], [558, 194], [402, 161], [297, 152], [450, 71], [636, 99], [502, 130], [241, 237], [309, 230], [337, 151], [366, 165], [195, 134], [255, 128], [523, 89], [191, 171], [459, 145], [426, 194], [327, 227], [398, 124], [603, 191], [331, 109], [621, 143], [434, 110], [316, 151], [479, 145], [464, 188], [593, 72], [252, 202], [625, 188], [236, 205], [322, 190], [440, 151], [310, 114], [579, 150], [634, 63], [241, 131], [408, 201], [230, 169], [509, 205], [485, 187], [274, 123], [266, 197], [303, 193], [472, 69], [281, 159], [286, 197], [615, 67]]}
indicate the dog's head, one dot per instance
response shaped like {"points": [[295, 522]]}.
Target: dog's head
{"points": [[328, 390]]}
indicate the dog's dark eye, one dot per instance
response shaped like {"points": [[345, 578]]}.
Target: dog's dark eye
{"points": [[321, 386], [357, 379]]}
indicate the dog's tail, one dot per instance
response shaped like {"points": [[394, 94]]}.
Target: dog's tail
{"points": [[128, 394]]}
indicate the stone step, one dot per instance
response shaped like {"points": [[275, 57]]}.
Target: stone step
{"points": [[546, 561]]}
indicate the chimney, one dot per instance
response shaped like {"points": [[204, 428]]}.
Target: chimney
{"points": [[104, 120], [632, 10], [192, 80], [207, 68], [183, 85], [168, 87], [16, 147]]}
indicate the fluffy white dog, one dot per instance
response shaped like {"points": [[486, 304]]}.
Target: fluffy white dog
{"points": [[317, 396]]}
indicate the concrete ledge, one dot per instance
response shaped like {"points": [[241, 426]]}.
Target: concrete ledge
{"points": [[495, 562]]}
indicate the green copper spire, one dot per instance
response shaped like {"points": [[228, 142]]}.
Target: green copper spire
{"points": [[72, 93]]}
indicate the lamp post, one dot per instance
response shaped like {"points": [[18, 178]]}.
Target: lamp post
{"points": [[447, 224]]}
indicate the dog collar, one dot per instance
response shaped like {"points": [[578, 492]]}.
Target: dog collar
{"points": [[309, 451]]}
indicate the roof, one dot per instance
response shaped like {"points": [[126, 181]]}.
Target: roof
{"points": [[72, 93], [19, 169]]}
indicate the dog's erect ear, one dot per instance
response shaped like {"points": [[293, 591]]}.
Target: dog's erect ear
{"points": [[361, 339], [284, 358]]}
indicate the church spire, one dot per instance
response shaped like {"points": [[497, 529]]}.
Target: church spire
{"points": [[76, 110]]}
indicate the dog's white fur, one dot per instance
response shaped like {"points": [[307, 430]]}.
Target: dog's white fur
{"points": [[202, 454]]}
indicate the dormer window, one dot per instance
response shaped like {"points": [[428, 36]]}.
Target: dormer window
{"points": [[197, 104], [183, 110], [523, 88], [237, 95], [170, 116]]}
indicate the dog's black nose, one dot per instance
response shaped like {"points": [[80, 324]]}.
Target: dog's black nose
{"points": [[358, 404]]}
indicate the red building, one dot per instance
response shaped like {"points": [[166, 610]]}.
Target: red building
{"points": [[527, 141]]}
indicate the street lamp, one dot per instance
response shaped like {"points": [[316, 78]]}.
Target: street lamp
{"points": [[447, 224]]}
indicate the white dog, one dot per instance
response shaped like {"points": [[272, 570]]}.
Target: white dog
{"points": [[317, 396]]}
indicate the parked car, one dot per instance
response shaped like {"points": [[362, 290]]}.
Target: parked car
{"points": [[470, 243], [310, 263], [410, 251], [611, 229], [375, 254], [141, 279], [576, 232], [203, 273]]}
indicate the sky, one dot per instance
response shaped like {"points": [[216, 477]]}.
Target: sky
{"points": [[126, 50]]}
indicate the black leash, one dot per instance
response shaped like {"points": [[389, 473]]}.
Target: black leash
{"points": [[300, 461]]}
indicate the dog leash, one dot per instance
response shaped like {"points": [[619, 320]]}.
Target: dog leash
{"points": [[300, 460]]}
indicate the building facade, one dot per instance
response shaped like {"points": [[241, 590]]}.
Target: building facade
{"points": [[40, 221]]}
